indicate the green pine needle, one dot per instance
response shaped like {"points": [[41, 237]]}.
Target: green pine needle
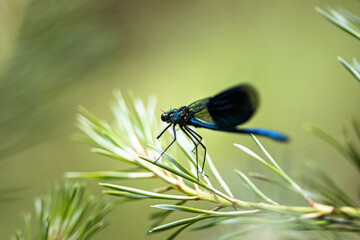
{"points": [[65, 213]]}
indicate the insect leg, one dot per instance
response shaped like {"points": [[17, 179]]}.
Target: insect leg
{"points": [[192, 133], [163, 131], [190, 130], [189, 135], [169, 144]]}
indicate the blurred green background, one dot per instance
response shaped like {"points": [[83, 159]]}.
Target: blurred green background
{"points": [[56, 55]]}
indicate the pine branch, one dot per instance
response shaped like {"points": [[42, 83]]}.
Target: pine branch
{"points": [[131, 142], [65, 213], [350, 23]]}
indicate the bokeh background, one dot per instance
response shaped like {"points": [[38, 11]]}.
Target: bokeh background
{"points": [[56, 55]]}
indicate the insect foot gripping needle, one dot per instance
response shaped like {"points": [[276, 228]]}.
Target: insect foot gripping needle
{"points": [[223, 112]]}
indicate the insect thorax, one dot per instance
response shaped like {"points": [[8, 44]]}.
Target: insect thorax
{"points": [[180, 116]]}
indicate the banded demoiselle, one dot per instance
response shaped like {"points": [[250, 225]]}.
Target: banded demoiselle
{"points": [[222, 112]]}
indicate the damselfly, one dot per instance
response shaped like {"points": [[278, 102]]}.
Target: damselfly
{"points": [[222, 112]]}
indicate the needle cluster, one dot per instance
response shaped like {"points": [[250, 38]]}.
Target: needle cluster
{"points": [[132, 140]]}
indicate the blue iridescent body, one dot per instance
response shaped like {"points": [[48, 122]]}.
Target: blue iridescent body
{"points": [[223, 112]]}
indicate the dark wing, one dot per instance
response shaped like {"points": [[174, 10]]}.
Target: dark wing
{"points": [[199, 110], [232, 107]]}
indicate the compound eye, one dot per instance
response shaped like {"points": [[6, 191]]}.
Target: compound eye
{"points": [[164, 117]]}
